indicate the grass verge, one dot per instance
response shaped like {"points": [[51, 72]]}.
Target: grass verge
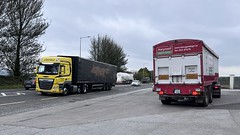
{"points": [[10, 83]]}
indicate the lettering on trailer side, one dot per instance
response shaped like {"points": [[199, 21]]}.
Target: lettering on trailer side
{"points": [[164, 50], [178, 49]]}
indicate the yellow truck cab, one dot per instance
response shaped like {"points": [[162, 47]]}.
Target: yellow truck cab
{"points": [[65, 74], [52, 73]]}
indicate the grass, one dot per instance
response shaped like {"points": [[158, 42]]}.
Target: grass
{"points": [[16, 86], [10, 83]]}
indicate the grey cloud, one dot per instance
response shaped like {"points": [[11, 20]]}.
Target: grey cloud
{"points": [[137, 25]]}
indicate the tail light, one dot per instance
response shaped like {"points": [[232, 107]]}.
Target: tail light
{"points": [[196, 93], [161, 93], [216, 87]]}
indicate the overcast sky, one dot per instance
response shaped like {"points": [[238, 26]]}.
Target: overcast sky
{"points": [[137, 25]]}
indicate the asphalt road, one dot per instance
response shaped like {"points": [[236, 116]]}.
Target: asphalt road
{"points": [[123, 111], [20, 100]]}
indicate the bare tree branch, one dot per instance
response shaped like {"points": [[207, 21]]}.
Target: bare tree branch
{"points": [[105, 49], [19, 38]]}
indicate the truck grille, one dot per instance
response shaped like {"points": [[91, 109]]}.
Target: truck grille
{"points": [[45, 84]]}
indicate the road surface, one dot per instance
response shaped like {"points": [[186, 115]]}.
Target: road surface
{"points": [[136, 112]]}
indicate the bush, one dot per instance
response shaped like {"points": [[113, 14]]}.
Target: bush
{"points": [[10, 82]]}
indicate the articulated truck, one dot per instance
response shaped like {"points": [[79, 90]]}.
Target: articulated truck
{"points": [[185, 69], [67, 74]]}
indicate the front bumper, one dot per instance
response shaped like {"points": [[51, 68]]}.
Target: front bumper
{"points": [[55, 89]]}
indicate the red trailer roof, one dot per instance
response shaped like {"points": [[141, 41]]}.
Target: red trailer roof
{"points": [[180, 47]]}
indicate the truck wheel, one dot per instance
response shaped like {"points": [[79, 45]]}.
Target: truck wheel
{"points": [[105, 87], [110, 87], [65, 91], [84, 89], [78, 89], [205, 99], [210, 94], [166, 102]]}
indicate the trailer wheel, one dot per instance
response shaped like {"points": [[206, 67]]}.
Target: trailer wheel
{"points": [[65, 90], [210, 90], [205, 101], [84, 89], [105, 87], [78, 89], [109, 86]]}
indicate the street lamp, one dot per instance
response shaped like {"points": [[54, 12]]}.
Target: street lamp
{"points": [[81, 41]]}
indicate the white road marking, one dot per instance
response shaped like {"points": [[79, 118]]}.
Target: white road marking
{"points": [[13, 103], [21, 94], [3, 94], [49, 98]]}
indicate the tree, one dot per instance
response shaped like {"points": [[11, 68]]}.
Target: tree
{"points": [[20, 48], [143, 72], [105, 49], [2, 25]]}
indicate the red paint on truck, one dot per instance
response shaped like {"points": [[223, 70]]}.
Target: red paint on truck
{"points": [[185, 69]]}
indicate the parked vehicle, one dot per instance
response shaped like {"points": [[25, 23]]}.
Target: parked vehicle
{"points": [[135, 83], [146, 80], [65, 74], [217, 90], [30, 83], [186, 69]]}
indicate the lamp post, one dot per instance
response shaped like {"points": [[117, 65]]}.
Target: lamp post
{"points": [[80, 43]]}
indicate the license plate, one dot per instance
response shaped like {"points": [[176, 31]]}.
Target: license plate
{"points": [[28, 86], [177, 91]]}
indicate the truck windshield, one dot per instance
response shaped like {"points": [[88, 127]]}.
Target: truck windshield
{"points": [[49, 69]]}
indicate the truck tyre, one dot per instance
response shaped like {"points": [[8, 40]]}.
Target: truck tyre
{"points": [[210, 97], [106, 87], [78, 89], [109, 86], [210, 94], [65, 90], [84, 89], [205, 101]]}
